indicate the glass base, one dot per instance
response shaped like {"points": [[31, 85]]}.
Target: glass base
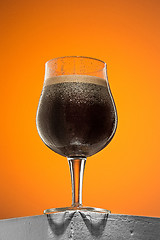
{"points": [[76, 209]]}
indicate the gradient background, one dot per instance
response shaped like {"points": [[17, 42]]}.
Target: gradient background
{"points": [[125, 176]]}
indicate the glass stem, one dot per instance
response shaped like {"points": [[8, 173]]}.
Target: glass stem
{"points": [[77, 165]]}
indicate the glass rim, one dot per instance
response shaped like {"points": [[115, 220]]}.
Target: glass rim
{"points": [[96, 59]]}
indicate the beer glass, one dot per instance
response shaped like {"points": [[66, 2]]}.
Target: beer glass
{"points": [[76, 116]]}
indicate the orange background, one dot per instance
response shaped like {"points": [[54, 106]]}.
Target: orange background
{"points": [[125, 176]]}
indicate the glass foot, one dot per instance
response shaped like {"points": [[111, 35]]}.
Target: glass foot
{"points": [[78, 209]]}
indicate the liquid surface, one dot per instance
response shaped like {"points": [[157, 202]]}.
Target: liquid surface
{"points": [[76, 78], [76, 118]]}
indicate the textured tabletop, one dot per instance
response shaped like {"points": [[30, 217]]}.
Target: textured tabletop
{"points": [[80, 225]]}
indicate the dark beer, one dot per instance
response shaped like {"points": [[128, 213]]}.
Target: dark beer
{"points": [[76, 118]]}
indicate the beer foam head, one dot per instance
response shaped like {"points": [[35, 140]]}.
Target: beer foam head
{"points": [[76, 78]]}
